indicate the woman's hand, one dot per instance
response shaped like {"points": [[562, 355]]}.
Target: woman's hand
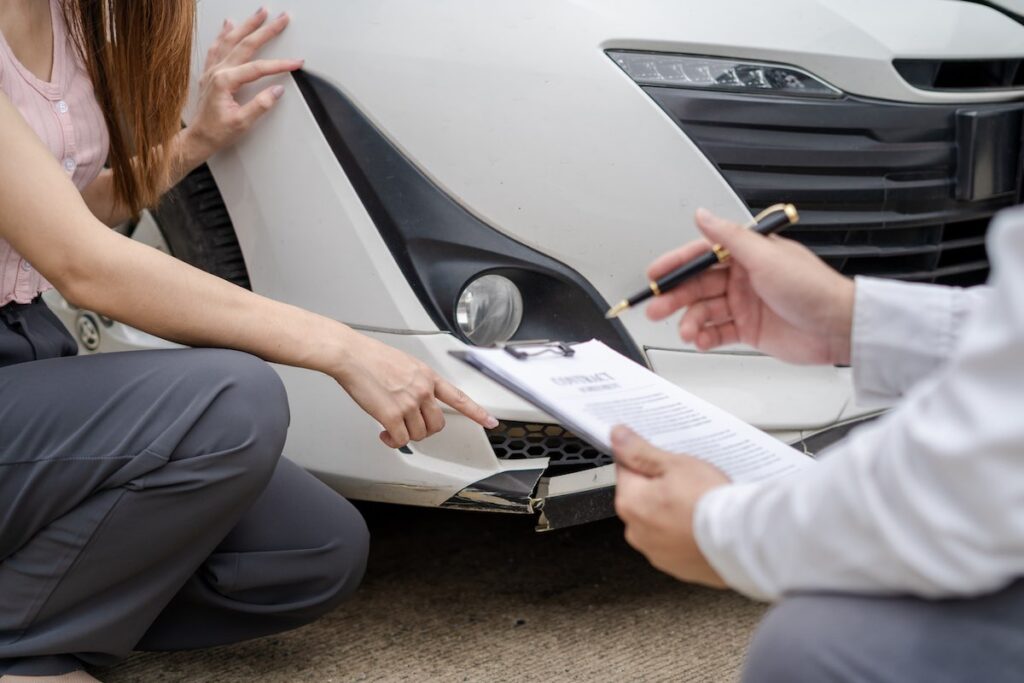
{"points": [[401, 392], [220, 118], [656, 494], [774, 294]]}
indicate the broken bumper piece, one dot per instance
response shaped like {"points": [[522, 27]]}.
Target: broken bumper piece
{"points": [[588, 495], [562, 501]]}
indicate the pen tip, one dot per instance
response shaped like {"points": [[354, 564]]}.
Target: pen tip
{"points": [[615, 310]]}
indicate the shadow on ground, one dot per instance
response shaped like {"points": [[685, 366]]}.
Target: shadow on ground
{"points": [[456, 596]]}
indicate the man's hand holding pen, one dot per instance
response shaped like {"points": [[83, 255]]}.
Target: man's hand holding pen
{"points": [[768, 222], [772, 294]]}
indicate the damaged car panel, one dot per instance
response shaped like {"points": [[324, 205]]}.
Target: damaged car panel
{"points": [[429, 145], [504, 492]]}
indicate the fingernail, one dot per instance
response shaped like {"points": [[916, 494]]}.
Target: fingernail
{"points": [[622, 436], [225, 24], [703, 214], [277, 91], [260, 11], [491, 422], [282, 15]]}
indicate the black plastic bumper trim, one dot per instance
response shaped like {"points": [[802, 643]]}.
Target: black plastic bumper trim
{"points": [[573, 509], [440, 246]]}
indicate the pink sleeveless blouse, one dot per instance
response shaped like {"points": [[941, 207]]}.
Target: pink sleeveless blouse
{"points": [[65, 115]]}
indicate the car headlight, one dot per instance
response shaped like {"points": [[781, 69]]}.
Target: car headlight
{"points": [[489, 310], [709, 73]]}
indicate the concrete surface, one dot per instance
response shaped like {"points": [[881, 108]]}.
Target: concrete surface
{"points": [[456, 596]]}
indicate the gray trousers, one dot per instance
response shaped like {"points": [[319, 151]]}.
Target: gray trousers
{"points": [[144, 504], [833, 638]]}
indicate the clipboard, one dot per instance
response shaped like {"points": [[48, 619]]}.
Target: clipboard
{"points": [[598, 388], [518, 350]]}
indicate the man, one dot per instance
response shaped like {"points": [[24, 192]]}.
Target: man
{"points": [[898, 558]]}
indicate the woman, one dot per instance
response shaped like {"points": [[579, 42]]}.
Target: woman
{"points": [[142, 500]]}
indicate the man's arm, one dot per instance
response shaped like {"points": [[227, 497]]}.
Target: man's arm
{"points": [[902, 332], [778, 297], [926, 501]]}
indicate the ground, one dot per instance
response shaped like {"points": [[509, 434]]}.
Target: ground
{"points": [[457, 596]]}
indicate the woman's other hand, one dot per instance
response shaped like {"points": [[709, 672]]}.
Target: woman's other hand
{"points": [[400, 392], [774, 294], [220, 118]]}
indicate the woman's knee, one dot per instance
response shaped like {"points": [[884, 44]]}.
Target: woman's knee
{"points": [[356, 552], [339, 562], [251, 392], [304, 579], [300, 546], [244, 404]]}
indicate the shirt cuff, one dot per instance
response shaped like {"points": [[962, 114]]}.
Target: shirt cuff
{"points": [[724, 545], [901, 332]]}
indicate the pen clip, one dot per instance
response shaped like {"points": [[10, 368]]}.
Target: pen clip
{"points": [[789, 210], [558, 347]]}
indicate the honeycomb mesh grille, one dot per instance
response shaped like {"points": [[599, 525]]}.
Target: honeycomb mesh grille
{"points": [[522, 440]]}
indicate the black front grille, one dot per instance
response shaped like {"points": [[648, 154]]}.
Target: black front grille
{"points": [[875, 182], [565, 450], [962, 74]]}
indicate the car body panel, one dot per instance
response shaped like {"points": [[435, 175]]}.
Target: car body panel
{"points": [[514, 110], [533, 129]]}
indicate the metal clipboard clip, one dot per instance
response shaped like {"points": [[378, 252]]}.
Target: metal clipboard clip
{"points": [[561, 348]]}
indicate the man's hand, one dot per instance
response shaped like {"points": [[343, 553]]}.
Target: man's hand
{"points": [[656, 495], [774, 295]]}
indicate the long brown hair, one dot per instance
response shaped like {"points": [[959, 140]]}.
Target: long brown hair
{"points": [[138, 55]]}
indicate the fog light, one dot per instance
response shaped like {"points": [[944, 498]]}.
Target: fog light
{"points": [[489, 310], [708, 73]]}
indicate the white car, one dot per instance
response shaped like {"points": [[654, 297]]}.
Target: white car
{"points": [[453, 172]]}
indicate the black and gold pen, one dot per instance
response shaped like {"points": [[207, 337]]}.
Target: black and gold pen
{"points": [[769, 221]]}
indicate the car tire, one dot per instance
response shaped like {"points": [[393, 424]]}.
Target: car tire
{"points": [[197, 228]]}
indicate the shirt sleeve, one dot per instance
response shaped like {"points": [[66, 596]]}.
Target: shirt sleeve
{"points": [[928, 500], [902, 332]]}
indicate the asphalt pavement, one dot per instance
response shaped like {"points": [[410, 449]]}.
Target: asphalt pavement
{"points": [[459, 596]]}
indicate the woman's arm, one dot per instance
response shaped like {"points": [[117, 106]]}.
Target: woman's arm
{"points": [[220, 119], [47, 221]]}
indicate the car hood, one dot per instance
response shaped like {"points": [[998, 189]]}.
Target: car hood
{"points": [[532, 128]]}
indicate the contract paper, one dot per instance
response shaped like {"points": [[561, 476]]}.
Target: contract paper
{"points": [[597, 388]]}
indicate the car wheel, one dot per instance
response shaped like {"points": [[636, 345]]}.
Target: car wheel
{"points": [[195, 227]]}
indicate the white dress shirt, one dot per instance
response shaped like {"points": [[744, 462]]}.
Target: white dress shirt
{"points": [[929, 499]]}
